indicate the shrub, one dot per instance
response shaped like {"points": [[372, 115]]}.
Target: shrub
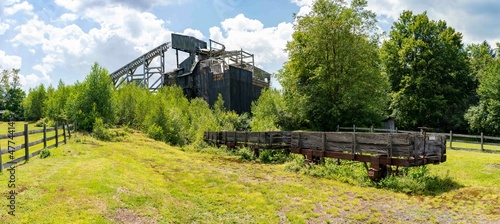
{"points": [[155, 132], [40, 122], [274, 155], [100, 131], [44, 153], [6, 115]]}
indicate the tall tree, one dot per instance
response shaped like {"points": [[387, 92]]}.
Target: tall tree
{"points": [[95, 99], [333, 74], [34, 103], [428, 72], [485, 116]]}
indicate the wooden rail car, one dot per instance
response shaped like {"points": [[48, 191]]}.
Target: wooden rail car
{"points": [[381, 150]]}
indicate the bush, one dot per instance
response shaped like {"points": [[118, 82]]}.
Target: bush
{"points": [[6, 115], [100, 131], [44, 153], [155, 132], [40, 122], [274, 155]]}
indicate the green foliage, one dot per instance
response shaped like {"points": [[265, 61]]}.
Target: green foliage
{"points": [[94, 99], [332, 76], [418, 181], [44, 153], [34, 103], [155, 132], [274, 155], [428, 72], [485, 116], [100, 131], [40, 122], [268, 112], [11, 94], [6, 115], [57, 103]]}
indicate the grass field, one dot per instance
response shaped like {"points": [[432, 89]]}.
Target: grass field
{"points": [[144, 181], [19, 127]]}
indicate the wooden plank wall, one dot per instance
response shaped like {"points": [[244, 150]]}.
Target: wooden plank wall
{"points": [[407, 145]]}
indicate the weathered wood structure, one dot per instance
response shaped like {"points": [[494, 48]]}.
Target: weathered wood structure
{"points": [[206, 71], [381, 150]]}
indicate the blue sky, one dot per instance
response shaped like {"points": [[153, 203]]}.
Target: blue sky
{"points": [[61, 39]]}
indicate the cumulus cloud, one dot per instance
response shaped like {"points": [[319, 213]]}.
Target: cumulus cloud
{"points": [[9, 61], [141, 5], [266, 43], [3, 27], [476, 20], [68, 17], [194, 33], [13, 9]]}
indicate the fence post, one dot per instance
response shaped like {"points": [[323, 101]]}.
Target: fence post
{"points": [[26, 142], [482, 141], [338, 128], [353, 128], [396, 129], [1, 162], [64, 134], [451, 139], [69, 131], [44, 135], [371, 129], [57, 139]]}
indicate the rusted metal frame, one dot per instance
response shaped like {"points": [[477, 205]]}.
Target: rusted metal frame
{"points": [[360, 158]]}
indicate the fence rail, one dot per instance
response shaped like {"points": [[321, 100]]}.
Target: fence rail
{"points": [[66, 133], [449, 135]]}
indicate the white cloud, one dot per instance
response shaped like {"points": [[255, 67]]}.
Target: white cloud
{"points": [[9, 61], [241, 23], [142, 5], [3, 27], [68, 17], [305, 6], [194, 33], [24, 6], [476, 20], [266, 43], [32, 33]]}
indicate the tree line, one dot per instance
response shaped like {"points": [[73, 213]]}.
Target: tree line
{"points": [[341, 71]]}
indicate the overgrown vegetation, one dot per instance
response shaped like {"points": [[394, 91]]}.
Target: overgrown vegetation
{"points": [[413, 180]]}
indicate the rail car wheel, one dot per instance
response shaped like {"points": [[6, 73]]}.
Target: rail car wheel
{"points": [[377, 173]]}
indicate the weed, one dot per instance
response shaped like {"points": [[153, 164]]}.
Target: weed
{"points": [[44, 153]]}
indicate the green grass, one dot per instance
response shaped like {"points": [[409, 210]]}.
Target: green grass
{"points": [[144, 181], [19, 127]]}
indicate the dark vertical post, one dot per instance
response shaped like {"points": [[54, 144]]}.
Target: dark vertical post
{"points": [[57, 139], [26, 142], [1, 162], [67, 128], [451, 139], [482, 141], [64, 133], [44, 135]]}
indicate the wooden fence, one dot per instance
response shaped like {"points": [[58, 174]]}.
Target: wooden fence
{"points": [[60, 135], [451, 137]]}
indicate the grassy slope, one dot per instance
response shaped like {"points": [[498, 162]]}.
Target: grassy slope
{"points": [[143, 181]]}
